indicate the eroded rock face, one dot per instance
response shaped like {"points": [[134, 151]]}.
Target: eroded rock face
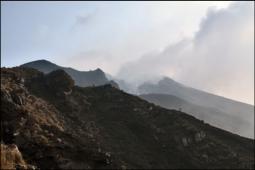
{"points": [[11, 158], [6, 96], [17, 99]]}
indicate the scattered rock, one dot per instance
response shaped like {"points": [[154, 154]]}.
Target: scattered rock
{"points": [[59, 140], [17, 99], [205, 157], [123, 167], [107, 154], [135, 109], [185, 141], [16, 134], [99, 150], [199, 136]]}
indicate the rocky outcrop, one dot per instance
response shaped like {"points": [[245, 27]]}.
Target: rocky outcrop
{"points": [[197, 137], [59, 82], [11, 158]]}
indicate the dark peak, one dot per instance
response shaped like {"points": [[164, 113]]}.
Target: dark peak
{"points": [[42, 65], [167, 80], [39, 61], [99, 70], [44, 62]]}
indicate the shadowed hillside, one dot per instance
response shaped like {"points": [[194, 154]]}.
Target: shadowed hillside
{"points": [[213, 116], [70, 127], [224, 113]]}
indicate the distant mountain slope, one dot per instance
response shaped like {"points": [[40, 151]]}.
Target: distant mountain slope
{"points": [[69, 127], [240, 112], [81, 78], [210, 115]]}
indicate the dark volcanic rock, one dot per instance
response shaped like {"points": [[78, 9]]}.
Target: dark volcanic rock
{"points": [[59, 81], [103, 127], [216, 110]]}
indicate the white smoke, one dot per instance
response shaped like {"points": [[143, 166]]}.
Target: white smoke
{"points": [[219, 59]]}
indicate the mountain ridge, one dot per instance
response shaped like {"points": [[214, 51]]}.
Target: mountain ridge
{"points": [[82, 78], [104, 127], [236, 109], [212, 116], [165, 80], [232, 109]]}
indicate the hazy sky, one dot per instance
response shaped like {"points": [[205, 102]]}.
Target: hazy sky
{"points": [[206, 45]]}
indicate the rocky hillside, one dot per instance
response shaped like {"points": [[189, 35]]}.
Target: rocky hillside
{"points": [[222, 112], [58, 125], [213, 116], [11, 158]]}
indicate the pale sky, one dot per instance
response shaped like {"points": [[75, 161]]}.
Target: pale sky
{"points": [[138, 40]]}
